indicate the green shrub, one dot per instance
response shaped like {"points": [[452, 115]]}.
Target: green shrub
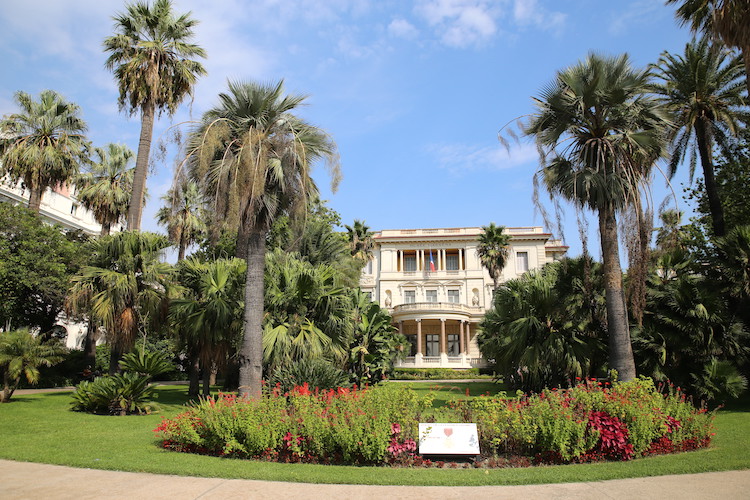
{"points": [[145, 363], [313, 372], [121, 394], [436, 374]]}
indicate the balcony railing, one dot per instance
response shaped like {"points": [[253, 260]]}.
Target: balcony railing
{"points": [[436, 306]]}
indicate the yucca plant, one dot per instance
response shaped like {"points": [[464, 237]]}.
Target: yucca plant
{"points": [[147, 364], [121, 394]]}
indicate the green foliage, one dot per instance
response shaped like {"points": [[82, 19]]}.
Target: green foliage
{"points": [[183, 215], [42, 145], [493, 250], [719, 381], [36, 262], [146, 364], [316, 373], [21, 355], [120, 394], [352, 426], [545, 328]]}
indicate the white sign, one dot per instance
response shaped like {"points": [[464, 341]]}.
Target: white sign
{"points": [[448, 439]]}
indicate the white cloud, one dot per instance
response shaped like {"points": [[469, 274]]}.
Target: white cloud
{"points": [[462, 158], [460, 23], [530, 13], [636, 15], [401, 28]]}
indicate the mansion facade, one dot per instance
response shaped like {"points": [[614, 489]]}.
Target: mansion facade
{"points": [[437, 291]]}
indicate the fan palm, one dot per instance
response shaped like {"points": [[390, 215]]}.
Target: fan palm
{"points": [[42, 145], [106, 189], [306, 311], [703, 91], [493, 251], [209, 316], [124, 288], [21, 355], [254, 158], [155, 68], [184, 215], [360, 241], [598, 132], [729, 20]]}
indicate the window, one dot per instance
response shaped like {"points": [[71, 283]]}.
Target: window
{"points": [[522, 262], [410, 263], [453, 296], [410, 296], [431, 295], [74, 209], [453, 346], [368, 267], [412, 344], [451, 261], [433, 345]]}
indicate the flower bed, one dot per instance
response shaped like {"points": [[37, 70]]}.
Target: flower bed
{"points": [[379, 425]]}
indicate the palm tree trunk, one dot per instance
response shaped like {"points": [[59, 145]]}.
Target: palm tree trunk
{"points": [[89, 345], [620, 349], [746, 59], [35, 198], [141, 168], [115, 354], [7, 390], [241, 248], [206, 381], [106, 228], [251, 351], [712, 190], [195, 369], [181, 250]]}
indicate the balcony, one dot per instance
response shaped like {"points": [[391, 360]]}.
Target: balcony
{"points": [[456, 362], [436, 307]]}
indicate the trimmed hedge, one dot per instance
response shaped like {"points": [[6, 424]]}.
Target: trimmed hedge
{"points": [[437, 374]]}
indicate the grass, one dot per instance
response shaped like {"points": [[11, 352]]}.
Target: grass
{"points": [[40, 428]]}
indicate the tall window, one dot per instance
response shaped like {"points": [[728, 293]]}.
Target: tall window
{"points": [[431, 295], [433, 345], [410, 263], [451, 261], [453, 296], [368, 267], [412, 344], [410, 296], [522, 262], [453, 346]]}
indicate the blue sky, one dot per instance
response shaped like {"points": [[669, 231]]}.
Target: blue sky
{"points": [[413, 92]]}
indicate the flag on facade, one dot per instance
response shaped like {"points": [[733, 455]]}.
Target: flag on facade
{"points": [[432, 263]]}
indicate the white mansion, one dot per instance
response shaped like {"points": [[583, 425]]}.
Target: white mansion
{"points": [[432, 283]]}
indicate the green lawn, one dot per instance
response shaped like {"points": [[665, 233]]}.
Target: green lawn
{"points": [[40, 428]]}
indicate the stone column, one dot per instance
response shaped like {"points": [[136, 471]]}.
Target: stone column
{"points": [[443, 344], [440, 260], [401, 260], [420, 345], [461, 337]]}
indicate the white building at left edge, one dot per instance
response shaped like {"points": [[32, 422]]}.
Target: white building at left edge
{"points": [[59, 206]]}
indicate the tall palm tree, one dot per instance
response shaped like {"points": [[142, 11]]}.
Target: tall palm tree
{"points": [[254, 158], [42, 145], [183, 215], [360, 241], [729, 20], [21, 355], [703, 91], [106, 188], [124, 289], [596, 127], [493, 251], [209, 316], [155, 68]]}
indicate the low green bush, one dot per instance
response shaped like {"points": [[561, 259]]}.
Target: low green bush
{"points": [[121, 394], [316, 373], [437, 374], [589, 422]]}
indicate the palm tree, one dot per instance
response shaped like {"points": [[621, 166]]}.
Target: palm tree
{"points": [[184, 215], [729, 20], [360, 241], [209, 317], [539, 331], [155, 70], [43, 145], [703, 91], [254, 158], [307, 311], [21, 354], [124, 289], [596, 127], [493, 251], [106, 189]]}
